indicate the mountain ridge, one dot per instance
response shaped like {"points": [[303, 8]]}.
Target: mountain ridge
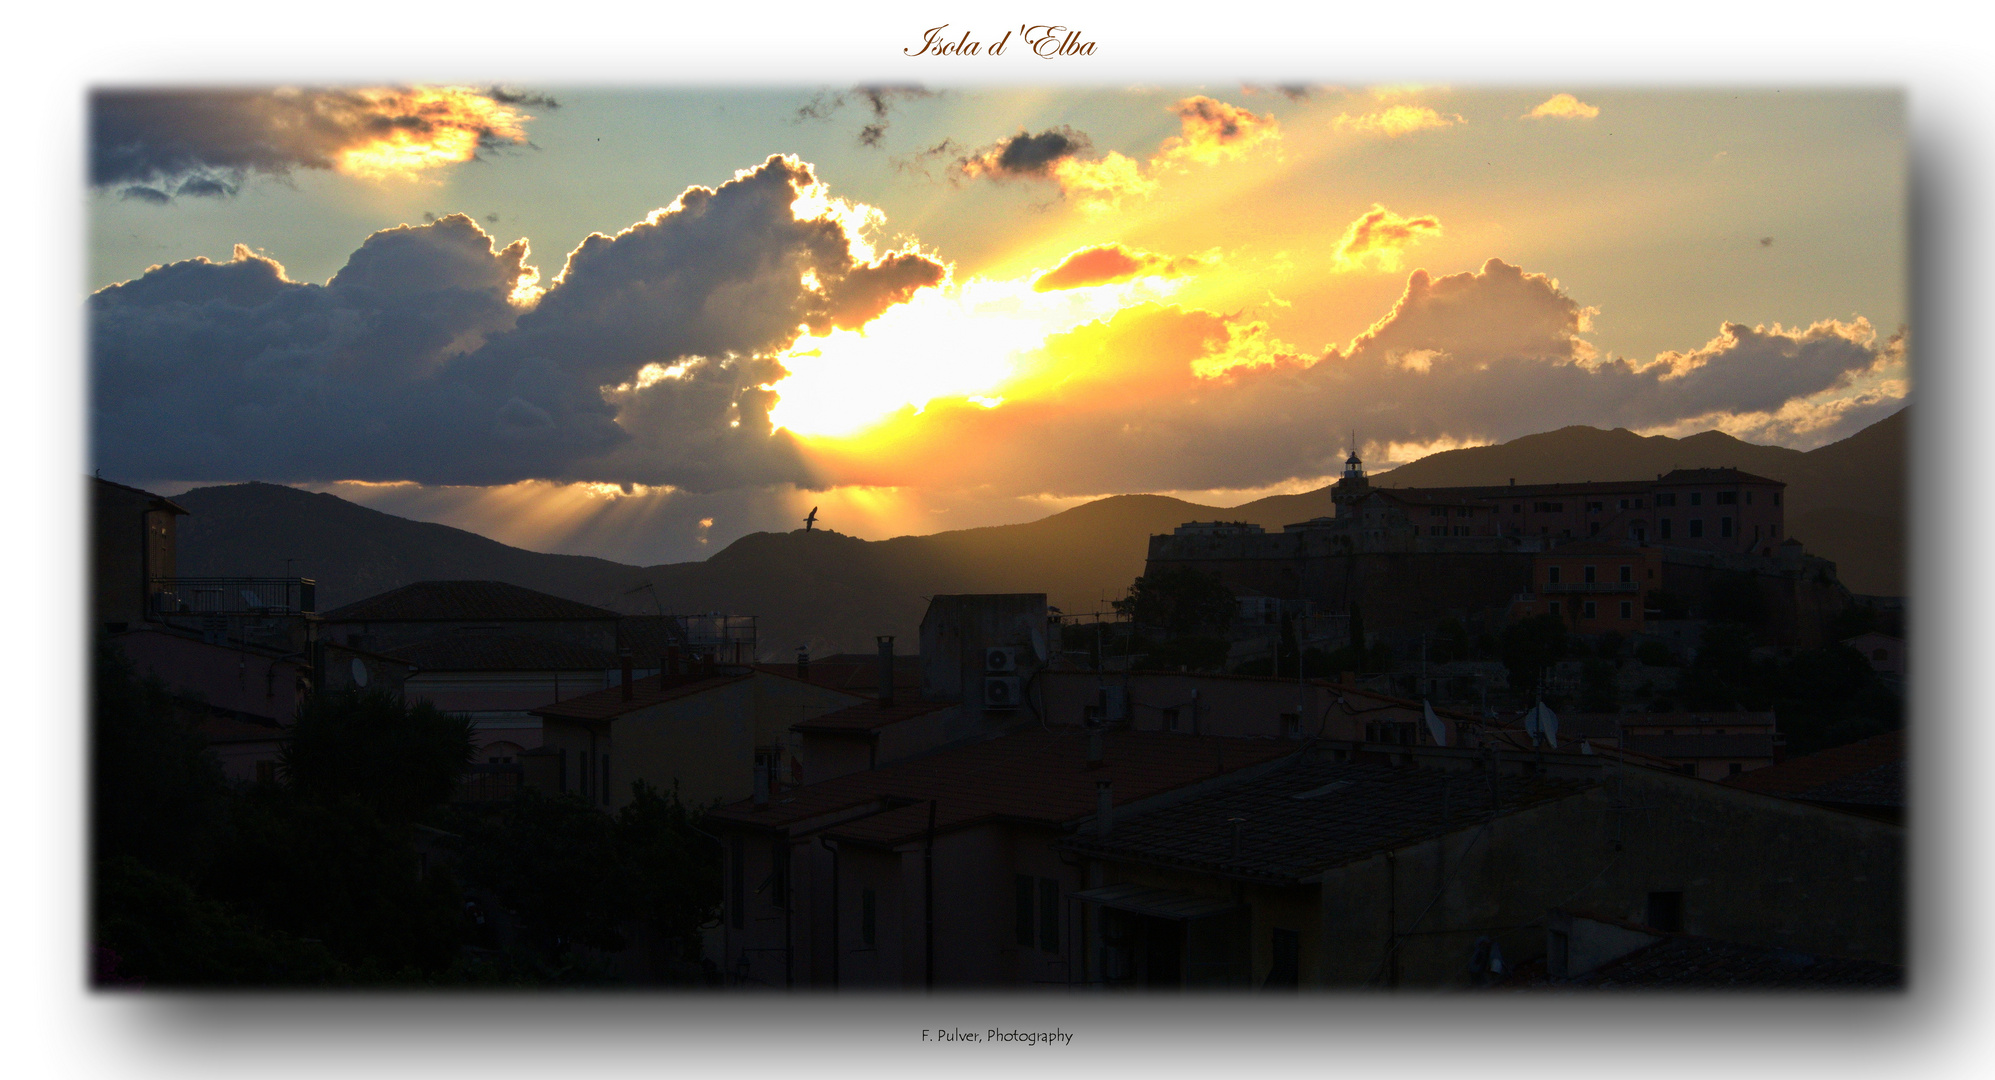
{"points": [[833, 592]]}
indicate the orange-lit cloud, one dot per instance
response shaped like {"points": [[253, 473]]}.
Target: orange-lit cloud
{"points": [[1396, 120], [1108, 264], [157, 144], [1379, 236], [1563, 107], [1216, 131], [1100, 184]]}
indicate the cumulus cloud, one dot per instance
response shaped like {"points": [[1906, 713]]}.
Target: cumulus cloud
{"points": [[879, 100], [1160, 397], [1379, 236], [156, 144], [1216, 131], [1109, 264], [1024, 155], [1562, 107], [430, 356], [1393, 121]]}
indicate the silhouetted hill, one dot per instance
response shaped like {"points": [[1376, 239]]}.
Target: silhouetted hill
{"points": [[1845, 501], [835, 592]]}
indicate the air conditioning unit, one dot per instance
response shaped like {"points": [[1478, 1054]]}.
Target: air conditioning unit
{"points": [[1001, 660], [1001, 692]]}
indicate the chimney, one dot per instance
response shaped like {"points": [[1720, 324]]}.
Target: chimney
{"points": [[671, 659], [1094, 749], [1104, 808], [1513, 481], [886, 695], [803, 664], [761, 785], [623, 655]]}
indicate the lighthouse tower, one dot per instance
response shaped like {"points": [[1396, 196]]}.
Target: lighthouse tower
{"points": [[1352, 488]]}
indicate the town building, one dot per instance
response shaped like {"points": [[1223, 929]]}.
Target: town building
{"points": [[1865, 777]]}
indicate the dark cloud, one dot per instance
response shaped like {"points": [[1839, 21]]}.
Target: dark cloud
{"points": [[145, 194], [643, 363], [505, 96], [206, 142], [879, 100], [1024, 155]]}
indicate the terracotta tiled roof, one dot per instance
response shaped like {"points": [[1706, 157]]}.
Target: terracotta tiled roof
{"points": [[651, 690], [1683, 962], [868, 716], [497, 601], [1307, 817], [851, 672], [160, 502], [502, 652], [1677, 747], [1870, 772], [1036, 776], [1691, 719]]}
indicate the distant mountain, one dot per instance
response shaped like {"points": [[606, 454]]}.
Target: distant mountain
{"points": [[835, 592]]}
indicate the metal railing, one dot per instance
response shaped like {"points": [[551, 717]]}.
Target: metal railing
{"points": [[232, 596]]}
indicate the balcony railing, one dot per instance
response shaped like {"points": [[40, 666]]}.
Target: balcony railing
{"points": [[1594, 587], [233, 596]]}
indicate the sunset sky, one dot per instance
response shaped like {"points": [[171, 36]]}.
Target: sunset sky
{"points": [[642, 324]]}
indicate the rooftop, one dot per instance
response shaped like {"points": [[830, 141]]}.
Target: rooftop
{"points": [[852, 672], [1870, 772], [464, 600], [1310, 816], [608, 704], [1036, 776], [868, 716], [1701, 746], [1684, 962], [502, 652], [1715, 476]]}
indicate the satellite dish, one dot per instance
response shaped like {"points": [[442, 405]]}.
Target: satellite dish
{"points": [[1434, 726], [1542, 721], [359, 672]]}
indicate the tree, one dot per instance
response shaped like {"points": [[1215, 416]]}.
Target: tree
{"points": [[554, 859], [672, 870], [1530, 646], [368, 745], [1181, 602]]}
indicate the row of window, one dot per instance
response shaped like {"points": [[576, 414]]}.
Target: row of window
{"points": [[1442, 511], [1444, 530], [1589, 609], [1696, 498], [1589, 574]]}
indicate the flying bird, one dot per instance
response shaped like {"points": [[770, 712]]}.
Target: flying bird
{"points": [[1766, 241], [810, 519]]}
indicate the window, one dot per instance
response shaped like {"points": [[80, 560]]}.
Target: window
{"points": [[1662, 527], [1437, 530], [1724, 526], [1552, 608], [606, 779], [1437, 511], [1552, 575], [1697, 498], [1726, 498], [1024, 886], [868, 916], [1466, 511], [1627, 573], [1776, 498], [582, 775], [1517, 509], [1589, 575], [1749, 498], [1627, 609], [1638, 504], [1666, 911], [1171, 719], [736, 876], [1461, 530], [1666, 500], [1549, 507], [1593, 529], [1593, 506], [1049, 915], [1736, 767], [1588, 609], [1624, 504], [1696, 527], [1291, 725]]}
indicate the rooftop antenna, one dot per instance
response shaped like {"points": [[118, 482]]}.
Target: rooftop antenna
{"points": [[645, 586], [810, 519]]}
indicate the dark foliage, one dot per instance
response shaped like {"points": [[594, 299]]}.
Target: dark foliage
{"points": [[157, 794], [369, 747], [1180, 602], [1529, 646]]}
